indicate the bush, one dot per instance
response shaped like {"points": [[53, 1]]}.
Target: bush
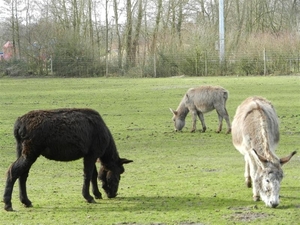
{"points": [[14, 68]]}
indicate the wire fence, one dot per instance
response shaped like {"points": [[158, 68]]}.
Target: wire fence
{"points": [[161, 64]]}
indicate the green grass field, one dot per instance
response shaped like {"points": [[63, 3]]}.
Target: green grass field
{"points": [[176, 178]]}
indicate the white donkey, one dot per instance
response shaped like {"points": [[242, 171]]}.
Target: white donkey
{"points": [[255, 134], [200, 100]]}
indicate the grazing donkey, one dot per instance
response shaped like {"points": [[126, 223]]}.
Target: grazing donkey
{"points": [[65, 135], [200, 100], [255, 134]]}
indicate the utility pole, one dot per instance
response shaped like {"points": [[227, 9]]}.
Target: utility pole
{"points": [[106, 38], [221, 32]]}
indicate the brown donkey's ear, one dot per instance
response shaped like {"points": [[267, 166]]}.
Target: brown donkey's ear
{"points": [[287, 158], [125, 161]]}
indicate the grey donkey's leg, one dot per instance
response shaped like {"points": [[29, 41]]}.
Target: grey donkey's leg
{"points": [[222, 113], [201, 117], [220, 123], [194, 120]]}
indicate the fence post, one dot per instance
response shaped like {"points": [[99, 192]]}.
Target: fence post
{"points": [[205, 63], [51, 65], [196, 64], [265, 62], [154, 64], [298, 62]]}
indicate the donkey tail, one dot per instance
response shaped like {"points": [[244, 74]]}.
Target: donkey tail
{"points": [[19, 130], [225, 95], [20, 134]]}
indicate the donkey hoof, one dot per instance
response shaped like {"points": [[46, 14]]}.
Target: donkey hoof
{"points": [[98, 197], [28, 205], [248, 183], [91, 201], [256, 198], [8, 208]]}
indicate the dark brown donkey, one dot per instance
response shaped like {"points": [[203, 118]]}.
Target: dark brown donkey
{"points": [[65, 135]]}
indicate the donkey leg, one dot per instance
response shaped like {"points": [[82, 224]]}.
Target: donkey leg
{"points": [[23, 192], [27, 161], [10, 181], [226, 117], [95, 188], [20, 167], [255, 189], [201, 117], [222, 113], [194, 120], [247, 174], [220, 123], [88, 168]]}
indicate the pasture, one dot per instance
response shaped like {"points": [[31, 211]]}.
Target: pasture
{"points": [[176, 177]]}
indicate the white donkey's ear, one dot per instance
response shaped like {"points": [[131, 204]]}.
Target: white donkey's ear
{"points": [[260, 157], [287, 158], [173, 111]]}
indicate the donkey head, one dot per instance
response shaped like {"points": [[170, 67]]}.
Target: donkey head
{"points": [[110, 177], [179, 122], [268, 178]]}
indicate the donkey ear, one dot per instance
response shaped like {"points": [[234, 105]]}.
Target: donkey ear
{"points": [[260, 157], [125, 161], [173, 111], [287, 158]]}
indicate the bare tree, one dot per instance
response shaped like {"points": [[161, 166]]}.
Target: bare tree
{"points": [[118, 36], [156, 28], [137, 32], [15, 29], [128, 45]]}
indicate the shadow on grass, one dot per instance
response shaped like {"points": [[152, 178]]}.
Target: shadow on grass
{"points": [[142, 203], [172, 203], [161, 204]]}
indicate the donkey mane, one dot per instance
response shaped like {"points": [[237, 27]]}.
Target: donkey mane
{"points": [[182, 110], [264, 139], [111, 156]]}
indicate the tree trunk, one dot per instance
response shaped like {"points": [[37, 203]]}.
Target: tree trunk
{"points": [[155, 32], [137, 32], [118, 36], [128, 35]]}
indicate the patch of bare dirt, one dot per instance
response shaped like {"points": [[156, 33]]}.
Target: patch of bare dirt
{"points": [[248, 216], [244, 214]]}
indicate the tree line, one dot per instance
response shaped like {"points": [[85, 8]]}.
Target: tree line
{"points": [[153, 38]]}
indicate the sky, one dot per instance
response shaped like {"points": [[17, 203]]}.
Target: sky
{"points": [[4, 13]]}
